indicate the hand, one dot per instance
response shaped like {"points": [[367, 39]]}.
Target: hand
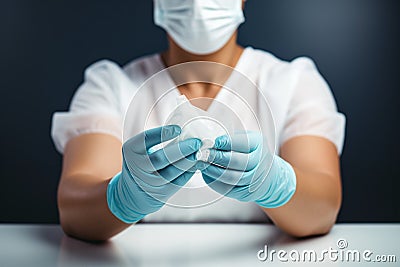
{"points": [[243, 168], [149, 179]]}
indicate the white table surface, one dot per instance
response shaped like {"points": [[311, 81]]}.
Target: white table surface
{"points": [[191, 245]]}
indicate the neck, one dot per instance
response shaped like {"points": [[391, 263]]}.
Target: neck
{"points": [[228, 55]]}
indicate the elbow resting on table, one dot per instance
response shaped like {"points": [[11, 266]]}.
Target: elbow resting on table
{"points": [[77, 233], [307, 222], [74, 228], [319, 225], [310, 230], [80, 220]]}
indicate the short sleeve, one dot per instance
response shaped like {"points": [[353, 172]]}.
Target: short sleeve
{"points": [[95, 107], [312, 108]]}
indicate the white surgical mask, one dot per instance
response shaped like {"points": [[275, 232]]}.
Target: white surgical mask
{"points": [[199, 26]]}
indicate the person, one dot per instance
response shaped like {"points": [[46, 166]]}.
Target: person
{"points": [[103, 191]]}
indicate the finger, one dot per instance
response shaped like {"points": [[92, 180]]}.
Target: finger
{"points": [[173, 171], [244, 142], [219, 187], [140, 143], [172, 153], [182, 179], [237, 192], [234, 160], [165, 176], [164, 192], [227, 176]]}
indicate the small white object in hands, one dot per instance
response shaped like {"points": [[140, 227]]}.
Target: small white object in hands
{"points": [[197, 123]]}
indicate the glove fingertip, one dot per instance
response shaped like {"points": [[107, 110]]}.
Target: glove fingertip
{"points": [[170, 131], [175, 129], [194, 143], [208, 179], [221, 142]]}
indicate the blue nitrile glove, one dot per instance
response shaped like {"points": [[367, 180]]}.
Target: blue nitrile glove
{"points": [[149, 179], [248, 172]]}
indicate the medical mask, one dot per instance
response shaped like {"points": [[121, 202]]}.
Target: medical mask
{"points": [[199, 26], [197, 123]]}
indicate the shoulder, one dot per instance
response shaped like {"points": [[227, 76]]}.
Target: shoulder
{"points": [[112, 72], [108, 80], [278, 65], [103, 76], [278, 77], [140, 69], [298, 80], [104, 81]]}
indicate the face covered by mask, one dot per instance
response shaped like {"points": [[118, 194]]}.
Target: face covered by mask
{"points": [[200, 27]]}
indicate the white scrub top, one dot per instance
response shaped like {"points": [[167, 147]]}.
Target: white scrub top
{"points": [[300, 100]]}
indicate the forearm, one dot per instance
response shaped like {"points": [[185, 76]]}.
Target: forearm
{"points": [[83, 208], [313, 208]]}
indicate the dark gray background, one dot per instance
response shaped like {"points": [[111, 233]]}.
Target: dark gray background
{"points": [[46, 45]]}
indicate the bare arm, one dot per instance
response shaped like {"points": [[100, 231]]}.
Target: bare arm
{"points": [[314, 207], [89, 163]]}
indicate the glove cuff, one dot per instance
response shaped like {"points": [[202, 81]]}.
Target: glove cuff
{"points": [[115, 204], [282, 184]]}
